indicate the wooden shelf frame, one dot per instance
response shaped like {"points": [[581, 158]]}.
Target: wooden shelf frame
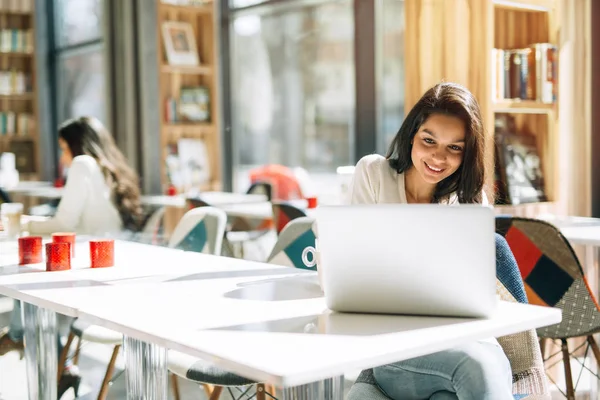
{"points": [[203, 20]]}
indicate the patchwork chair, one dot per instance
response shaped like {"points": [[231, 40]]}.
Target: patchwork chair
{"points": [[522, 349], [200, 230], [293, 249], [153, 228], [264, 188], [283, 213], [553, 276]]}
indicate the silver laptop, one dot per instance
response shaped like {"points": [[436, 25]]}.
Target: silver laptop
{"points": [[422, 259]]}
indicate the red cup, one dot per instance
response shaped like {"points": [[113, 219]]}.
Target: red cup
{"points": [[102, 253], [30, 250], [312, 202], [58, 256], [65, 237]]}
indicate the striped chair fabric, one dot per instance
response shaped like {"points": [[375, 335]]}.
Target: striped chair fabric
{"points": [[522, 349]]}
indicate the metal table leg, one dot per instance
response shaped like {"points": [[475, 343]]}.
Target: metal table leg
{"points": [[329, 389], [145, 370], [41, 354]]}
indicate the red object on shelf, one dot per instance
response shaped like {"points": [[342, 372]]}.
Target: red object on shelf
{"points": [[312, 202], [58, 256], [65, 237], [58, 183], [171, 190], [30, 250], [102, 253]]}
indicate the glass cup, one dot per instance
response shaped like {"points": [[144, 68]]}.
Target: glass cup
{"points": [[11, 218]]}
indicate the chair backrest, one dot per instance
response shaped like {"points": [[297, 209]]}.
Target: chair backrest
{"points": [[264, 188], [295, 246], [284, 183], [552, 275], [200, 230], [153, 228], [4, 197], [283, 213]]}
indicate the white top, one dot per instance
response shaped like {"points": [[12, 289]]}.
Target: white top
{"points": [[86, 206], [376, 182]]}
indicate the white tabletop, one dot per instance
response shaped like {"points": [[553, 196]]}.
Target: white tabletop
{"points": [[216, 199], [27, 186], [578, 230], [231, 317]]}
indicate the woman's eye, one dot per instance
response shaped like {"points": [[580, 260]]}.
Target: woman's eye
{"points": [[428, 141], [455, 148]]}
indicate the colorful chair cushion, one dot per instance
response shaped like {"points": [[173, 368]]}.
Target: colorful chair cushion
{"points": [[552, 275], [283, 213], [201, 230]]}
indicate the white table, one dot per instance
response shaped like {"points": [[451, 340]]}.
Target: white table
{"points": [[216, 199], [254, 322], [27, 186], [135, 263]]}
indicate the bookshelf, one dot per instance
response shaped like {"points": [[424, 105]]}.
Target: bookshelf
{"points": [[18, 90], [461, 49], [180, 78], [526, 91]]}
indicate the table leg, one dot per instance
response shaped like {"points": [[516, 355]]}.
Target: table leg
{"points": [[145, 370], [329, 389], [41, 354]]}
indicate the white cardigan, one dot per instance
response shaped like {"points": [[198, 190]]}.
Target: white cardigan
{"points": [[86, 206]]}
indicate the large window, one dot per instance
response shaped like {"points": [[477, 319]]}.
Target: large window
{"points": [[390, 38], [80, 59], [293, 96]]}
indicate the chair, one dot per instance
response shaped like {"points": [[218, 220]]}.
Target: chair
{"points": [[283, 213], [290, 251], [153, 228], [522, 349], [200, 230], [263, 188], [553, 276]]}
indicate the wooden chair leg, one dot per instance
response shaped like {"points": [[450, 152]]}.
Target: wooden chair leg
{"points": [[260, 392], [175, 386], [568, 375], [109, 372], [77, 350], [216, 393], [595, 349], [63, 356], [543, 346]]}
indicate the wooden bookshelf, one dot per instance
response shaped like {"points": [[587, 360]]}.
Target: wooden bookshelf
{"points": [[460, 50], [19, 123], [173, 78]]}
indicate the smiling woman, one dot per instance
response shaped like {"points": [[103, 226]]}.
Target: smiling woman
{"points": [[437, 156]]}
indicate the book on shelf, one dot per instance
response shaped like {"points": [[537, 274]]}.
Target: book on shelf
{"points": [[187, 2], [16, 40], [520, 169], [14, 82], [525, 74], [187, 164]]}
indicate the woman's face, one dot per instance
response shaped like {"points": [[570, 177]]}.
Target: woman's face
{"points": [[65, 153], [438, 147]]}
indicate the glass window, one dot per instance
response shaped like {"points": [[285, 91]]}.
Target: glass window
{"points": [[391, 71], [78, 21], [293, 88], [82, 89]]}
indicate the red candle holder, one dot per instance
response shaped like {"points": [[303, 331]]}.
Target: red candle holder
{"points": [[102, 253], [312, 202], [30, 250], [65, 237], [58, 256]]}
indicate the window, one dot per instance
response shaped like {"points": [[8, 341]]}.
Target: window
{"points": [[390, 32], [293, 96], [80, 59]]}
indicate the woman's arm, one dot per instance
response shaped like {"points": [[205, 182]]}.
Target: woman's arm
{"points": [[72, 202]]}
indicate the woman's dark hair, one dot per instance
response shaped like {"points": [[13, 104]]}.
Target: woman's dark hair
{"points": [[455, 100], [87, 135]]}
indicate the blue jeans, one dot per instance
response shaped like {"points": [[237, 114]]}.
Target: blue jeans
{"points": [[475, 371], [16, 330]]}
